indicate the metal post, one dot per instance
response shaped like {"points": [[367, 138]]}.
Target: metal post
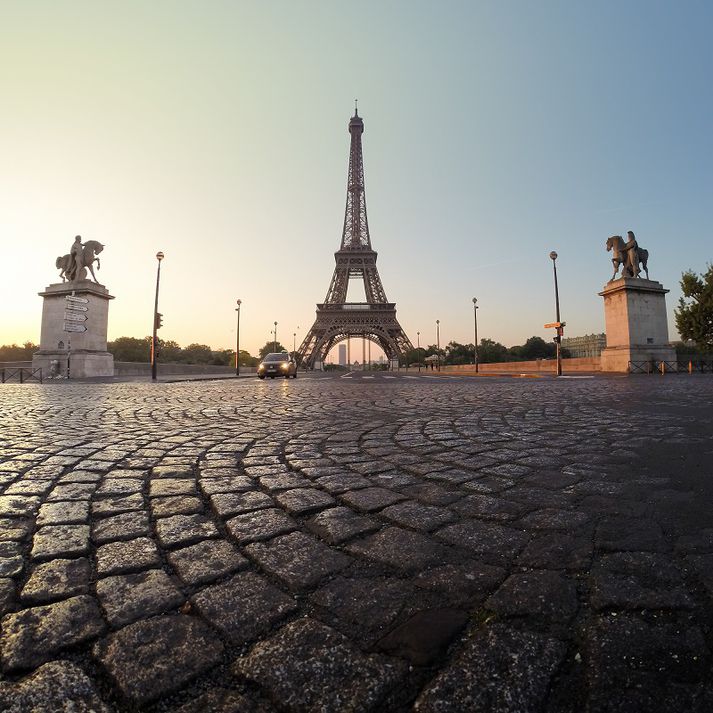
{"points": [[154, 359], [438, 343], [418, 349], [558, 339], [69, 352], [237, 341], [475, 326], [275, 343]]}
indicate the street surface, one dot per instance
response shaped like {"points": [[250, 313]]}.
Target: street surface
{"points": [[378, 542]]}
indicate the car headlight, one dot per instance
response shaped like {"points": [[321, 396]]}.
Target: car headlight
{"points": [[261, 367], [285, 366]]}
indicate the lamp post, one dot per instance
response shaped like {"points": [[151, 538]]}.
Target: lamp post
{"points": [[558, 338], [275, 334], [438, 343], [156, 325], [237, 341], [475, 327], [294, 344], [418, 348]]}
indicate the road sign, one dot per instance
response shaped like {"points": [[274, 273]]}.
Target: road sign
{"points": [[556, 325], [72, 298], [76, 308], [74, 317], [72, 327]]}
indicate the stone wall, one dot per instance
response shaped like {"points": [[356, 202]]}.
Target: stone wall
{"points": [[130, 368], [536, 366]]}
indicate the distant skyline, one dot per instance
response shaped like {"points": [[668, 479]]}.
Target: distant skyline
{"points": [[217, 133]]}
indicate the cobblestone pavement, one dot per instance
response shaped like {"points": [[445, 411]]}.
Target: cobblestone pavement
{"points": [[358, 544]]}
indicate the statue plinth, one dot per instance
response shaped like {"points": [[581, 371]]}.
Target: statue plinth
{"points": [[636, 324], [86, 350]]}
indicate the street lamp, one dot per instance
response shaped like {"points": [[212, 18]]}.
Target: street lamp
{"points": [[438, 343], [156, 320], [475, 326], [558, 338], [275, 344], [237, 342], [418, 348], [294, 344]]}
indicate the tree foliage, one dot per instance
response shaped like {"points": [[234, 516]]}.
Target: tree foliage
{"points": [[13, 352], [694, 316], [269, 348], [169, 352]]}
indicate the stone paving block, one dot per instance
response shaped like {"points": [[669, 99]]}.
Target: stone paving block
{"points": [[638, 580], [167, 486], [463, 585], [627, 652], [275, 482], [7, 595], [123, 557], [401, 549], [425, 636], [32, 636], [309, 666], [487, 507], [366, 608], [226, 700], [57, 579], [19, 505], [132, 473], [553, 519], [227, 504], [431, 494], [177, 470], [370, 499], [699, 542], [225, 484], [260, 525], [53, 687], [129, 597], [29, 487], [206, 561], [72, 491], [72, 512], [119, 486], [487, 539], [417, 516], [556, 550], [627, 534], [125, 526], [452, 476], [149, 659], [184, 530], [60, 541], [498, 669], [115, 505], [11, 560], [340, 524], [703, 567], [341, 481], [175, 505], [297, 560], [304, 501], [488, 484], [539, 594], [244, 607]]}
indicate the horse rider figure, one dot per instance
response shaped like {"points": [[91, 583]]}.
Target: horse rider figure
{"points": [[632, 254], [76, 259]]}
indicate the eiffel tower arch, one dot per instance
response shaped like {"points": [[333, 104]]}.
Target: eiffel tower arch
{"points": [[338, 319]]}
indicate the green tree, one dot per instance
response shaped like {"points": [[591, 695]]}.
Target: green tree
{"points": [[130, 348], [534, 348], [269, 348], [490, 352], [457, 353], [694, 316], [13, 352], [198, 354]]}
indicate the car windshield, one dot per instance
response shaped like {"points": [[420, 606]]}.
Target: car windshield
{"points": [[277, 357]]}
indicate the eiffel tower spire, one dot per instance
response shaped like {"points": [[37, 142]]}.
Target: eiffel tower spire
{"points": [[337, 319]]}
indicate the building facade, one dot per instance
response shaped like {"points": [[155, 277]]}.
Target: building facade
{"points": [[590, 345]]}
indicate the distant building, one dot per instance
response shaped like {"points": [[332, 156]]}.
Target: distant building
{"points": [[342, 355], [590, 345]]}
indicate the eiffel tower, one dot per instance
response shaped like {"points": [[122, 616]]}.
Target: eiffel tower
{"points": [[338, 319]]}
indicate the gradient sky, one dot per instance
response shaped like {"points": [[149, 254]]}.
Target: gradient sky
{"points": [[217, 133]]}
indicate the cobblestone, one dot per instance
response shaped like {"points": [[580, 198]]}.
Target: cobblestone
{"points": [[416, 542]]}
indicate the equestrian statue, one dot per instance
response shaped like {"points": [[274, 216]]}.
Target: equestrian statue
{"points": [[628, 255], [82, 256]]}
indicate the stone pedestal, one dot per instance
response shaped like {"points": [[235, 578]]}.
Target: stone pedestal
{"points": [[636, 324], [86, 351]]}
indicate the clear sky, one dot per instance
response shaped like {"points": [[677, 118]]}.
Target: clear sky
{"points": [[217, 133]]}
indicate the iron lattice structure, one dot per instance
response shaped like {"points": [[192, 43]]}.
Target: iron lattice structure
{"points": [[338, 319]]}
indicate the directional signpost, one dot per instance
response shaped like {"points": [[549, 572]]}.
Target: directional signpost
{"points": [[74, 318]]}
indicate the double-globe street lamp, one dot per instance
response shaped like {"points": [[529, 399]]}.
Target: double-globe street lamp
{"points": [[275, 335], [156, 321], [475, 326], [237, 341], [558, 338]]}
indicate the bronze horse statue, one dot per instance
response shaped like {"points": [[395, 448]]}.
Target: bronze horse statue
{"points": [[74, 269], [616, 243]]}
